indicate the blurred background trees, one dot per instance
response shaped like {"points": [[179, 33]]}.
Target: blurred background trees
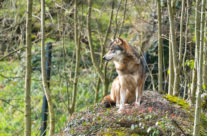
{"points": [[79, 76]]}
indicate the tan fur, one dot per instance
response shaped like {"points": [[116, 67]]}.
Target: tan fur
{"points": [[131, 76]]}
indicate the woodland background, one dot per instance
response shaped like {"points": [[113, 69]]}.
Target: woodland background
{"points": [[79, 76]]}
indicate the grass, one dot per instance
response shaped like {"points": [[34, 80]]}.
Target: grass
{"points": [[12, 94]]}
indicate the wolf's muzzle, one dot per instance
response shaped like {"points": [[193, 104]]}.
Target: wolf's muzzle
{"points": [[106, 58]]}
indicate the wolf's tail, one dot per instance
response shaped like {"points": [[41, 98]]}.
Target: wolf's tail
{"points": [[108, 102]]}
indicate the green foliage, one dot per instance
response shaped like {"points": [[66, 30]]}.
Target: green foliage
{"points": [[203, 124], [11, 107], [204, 103], [190, 63], [12, 88]]}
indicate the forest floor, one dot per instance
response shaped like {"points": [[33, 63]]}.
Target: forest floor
{"points": [[157, 115]]}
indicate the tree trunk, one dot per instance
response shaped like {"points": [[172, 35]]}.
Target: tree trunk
{"points": [[181, 32], [174, 50], [196, 130], [160, 78], [94, 61], [27, 99], [171, 69], [205, 58], [196, 62], [186, 91], [44, 80], [77, 45], [97, 90], [106, 84], [123, 19]]}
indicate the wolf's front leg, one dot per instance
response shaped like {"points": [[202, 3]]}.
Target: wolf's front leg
{"points": [[137, 103], [122, 99], [138, 95], [118, 96]]}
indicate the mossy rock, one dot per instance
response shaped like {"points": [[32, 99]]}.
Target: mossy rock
{"points": [[116, 132], [155, 116]]}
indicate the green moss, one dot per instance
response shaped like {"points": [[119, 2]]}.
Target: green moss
{"points": [[121, 132], [116, 132], [178, 101], [134, 134]]}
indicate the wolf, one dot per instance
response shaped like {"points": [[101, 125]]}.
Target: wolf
{"points": [[130, 66]]}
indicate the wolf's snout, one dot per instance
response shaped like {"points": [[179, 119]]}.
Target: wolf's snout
{"points": [[104, 57]]}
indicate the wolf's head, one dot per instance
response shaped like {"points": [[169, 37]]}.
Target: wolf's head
{"points": [[116, 50]]}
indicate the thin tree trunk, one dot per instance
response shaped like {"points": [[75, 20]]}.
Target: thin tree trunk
{"points": [[106, 85], [171, 69], [97, 90], [44, 80], [27, 99], [197, 33], [205, 58], [174, 50], [160, 78], [196, 130], [77, 45], [181, 32], [104, 46], [123, 19], [116, 19], [186, 91], [94, 61], [171, 65]]}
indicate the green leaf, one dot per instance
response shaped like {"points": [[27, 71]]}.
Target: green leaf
{"points": [[204, 87], [84, 124]]}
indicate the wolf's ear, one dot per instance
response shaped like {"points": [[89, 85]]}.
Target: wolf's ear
{"points": [[118, 40]]}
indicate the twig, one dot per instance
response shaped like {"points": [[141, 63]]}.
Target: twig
{"points": [[177, 125], [12, 53], [11, 105], [116, 20], [123, 19], [9, 77]]}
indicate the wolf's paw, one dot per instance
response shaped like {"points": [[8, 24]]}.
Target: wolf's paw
{"points": [[117, 105], [121, 109], [136, 104]]}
